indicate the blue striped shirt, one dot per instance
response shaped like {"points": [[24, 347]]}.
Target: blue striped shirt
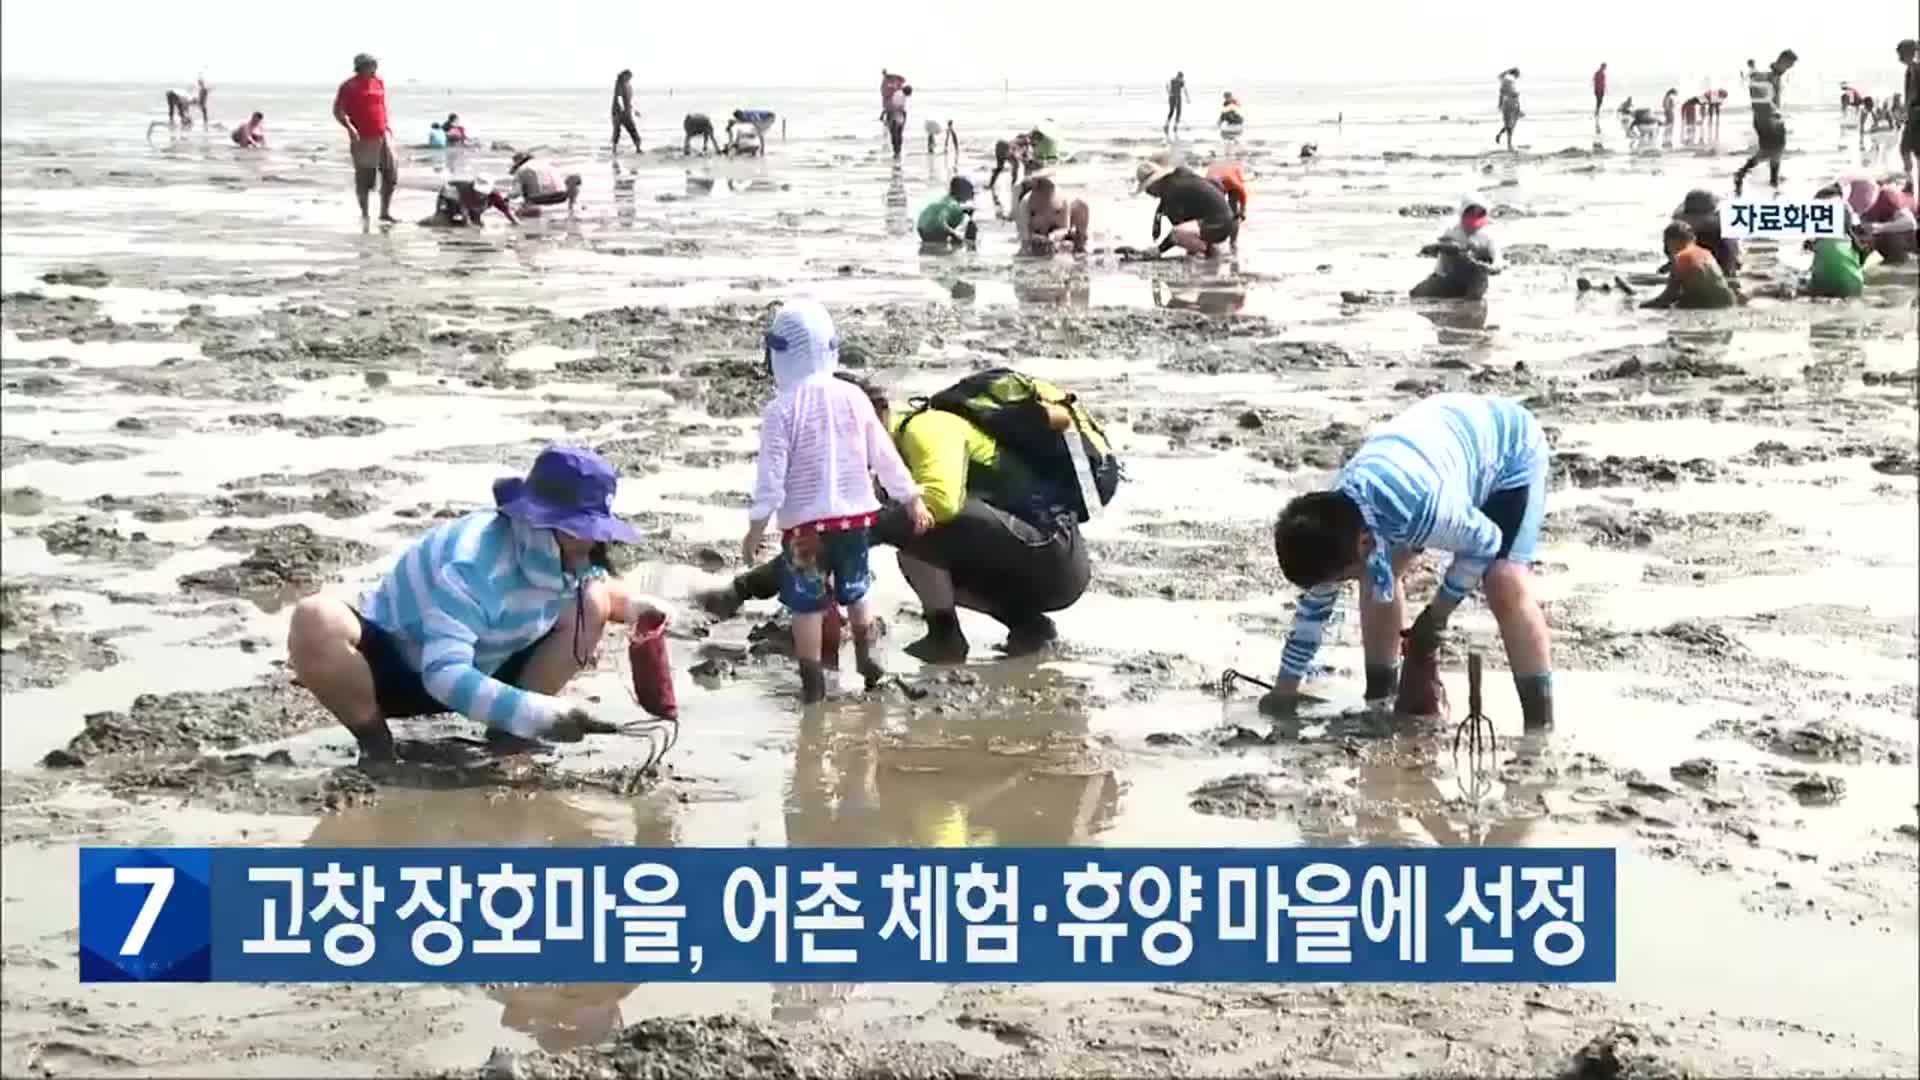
{"points": [[466, 597], [1420, 482]]}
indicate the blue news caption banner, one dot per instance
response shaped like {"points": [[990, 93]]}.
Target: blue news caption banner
{"points": [[847, 915]]}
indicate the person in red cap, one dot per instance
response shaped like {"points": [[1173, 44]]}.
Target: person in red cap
{"points": [[489, 615], [1467, 256]]}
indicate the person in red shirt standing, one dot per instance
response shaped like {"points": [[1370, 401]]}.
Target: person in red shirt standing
{"points": [[360, 106], [1599, 93]]}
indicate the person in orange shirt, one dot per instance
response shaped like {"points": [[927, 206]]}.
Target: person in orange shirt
{"points": [[1231, 177]]}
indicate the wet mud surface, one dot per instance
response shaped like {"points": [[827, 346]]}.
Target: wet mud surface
{"points": [[1727, 561]]}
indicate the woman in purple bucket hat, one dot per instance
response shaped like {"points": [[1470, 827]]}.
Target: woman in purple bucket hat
{"points": [[488, 615]]}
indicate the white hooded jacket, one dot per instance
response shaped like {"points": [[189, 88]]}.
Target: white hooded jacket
{"points": [[820, 442]]}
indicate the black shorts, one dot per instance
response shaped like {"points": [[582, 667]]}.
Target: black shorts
{"points": [[1216, 232], [1507, 509], [1013, 567], [1910, 135], [397, 686], [1773, 134]]}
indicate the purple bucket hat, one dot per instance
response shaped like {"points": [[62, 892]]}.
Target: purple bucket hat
{"points": [[569, 488]]}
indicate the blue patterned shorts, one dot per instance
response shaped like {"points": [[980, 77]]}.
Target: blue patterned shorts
{"points": [[816, 567]]}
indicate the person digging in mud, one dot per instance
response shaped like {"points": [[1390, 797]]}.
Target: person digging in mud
{"points": [[1045, 220], [1890, 221], [1694, 280], [360, 107], [1467, 255], [747, 132], [252, 134], [1699, 211], [1231, 178], [697, 126], [983, 554], [1456, 472], [539, 184], [1769, 125], [947, 222], [462, 203], [488, 615], [1198, 210], [1009, 155], [821, 444], [1839, 270]]}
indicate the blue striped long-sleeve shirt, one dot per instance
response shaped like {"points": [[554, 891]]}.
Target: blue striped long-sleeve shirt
{"points": [[1420, 482], [466, 597]]}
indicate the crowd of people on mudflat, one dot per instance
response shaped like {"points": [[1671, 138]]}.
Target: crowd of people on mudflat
{"points": [[982, 489]]}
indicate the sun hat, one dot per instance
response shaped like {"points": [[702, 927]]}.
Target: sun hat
{"points": [[520, 157], [1149, 173], [569, 488]]}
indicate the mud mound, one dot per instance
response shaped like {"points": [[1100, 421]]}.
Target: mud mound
{"points": [[1658, 362], [717, 1047], [285, 556], [1624, 1052], [1820, 740], [1613, 470], [14, 451], [312, 427], [365, 476], [91, 537], [86, 277], [47, 658], [189, 721]]}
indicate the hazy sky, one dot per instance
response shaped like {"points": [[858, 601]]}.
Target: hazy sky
{"points": [[845, 42]]}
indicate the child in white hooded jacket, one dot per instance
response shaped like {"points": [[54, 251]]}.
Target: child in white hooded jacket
{"points": [[821, 445]]}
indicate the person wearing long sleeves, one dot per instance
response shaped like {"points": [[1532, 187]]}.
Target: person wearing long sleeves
{"points": [[1458, 473], [821, 445], [488, 615]]}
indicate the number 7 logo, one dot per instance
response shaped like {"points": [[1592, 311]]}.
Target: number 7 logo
{"points": [[160, 878]]}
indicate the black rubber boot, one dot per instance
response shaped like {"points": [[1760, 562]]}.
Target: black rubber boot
{"points": [[813, 682], [1383, 681], [863, 660], [1030, 636], [944, 643], [376, 744], [721, 603], [1536, 705]]}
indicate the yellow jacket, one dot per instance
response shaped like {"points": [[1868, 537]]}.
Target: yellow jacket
{"points": [[942, 451]]}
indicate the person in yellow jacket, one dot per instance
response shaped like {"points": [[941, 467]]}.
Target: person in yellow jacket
{"points": [[989, 550]]}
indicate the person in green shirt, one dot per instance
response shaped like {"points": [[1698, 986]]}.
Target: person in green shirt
{"points": [[1839, 262], [948, 220], [1044, 149]]}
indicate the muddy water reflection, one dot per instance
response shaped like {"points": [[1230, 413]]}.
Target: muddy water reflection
{"points": [[556, 1017]]}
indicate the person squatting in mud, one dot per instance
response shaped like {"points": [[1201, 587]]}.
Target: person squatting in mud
{"points": [[1694, 279], [1003, 542], [462, 203], [360, 107], [1198, 209], [697, 126], [1044, 219], [821, 445], [1466, 257], [539, 184], [489, 615], [947, 222], [1459, 473]]}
